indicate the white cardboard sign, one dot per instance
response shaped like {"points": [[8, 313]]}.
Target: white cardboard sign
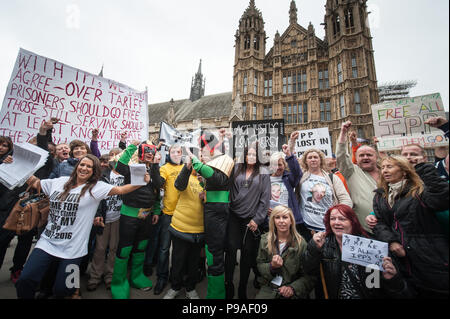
{"points": [[41, 88], [364, 251], [402, 122], [318, 138]]}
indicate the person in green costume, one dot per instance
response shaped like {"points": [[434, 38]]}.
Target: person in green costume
{"points": [[135, 223], [216, 173]]}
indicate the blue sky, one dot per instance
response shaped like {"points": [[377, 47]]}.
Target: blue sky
{"points": [[158, 44]]}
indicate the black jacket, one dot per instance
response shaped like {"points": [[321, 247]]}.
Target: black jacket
{"points": [[145, 196], [412, 223], [330, 257]]}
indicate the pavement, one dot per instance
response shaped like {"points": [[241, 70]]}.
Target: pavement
{"points": [[8, 291]]}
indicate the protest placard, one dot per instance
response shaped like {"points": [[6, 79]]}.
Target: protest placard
{"points": [[41, 88], [364, 251], [27, 159], [268, 133], [315, 138], [402, 122]]}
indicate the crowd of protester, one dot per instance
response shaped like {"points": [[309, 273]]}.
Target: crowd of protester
{"points": [[286, 215]]}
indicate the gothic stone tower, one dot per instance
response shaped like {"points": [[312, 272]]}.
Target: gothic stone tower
{"points": [[250, 50], [197, 85], [309, 82]]}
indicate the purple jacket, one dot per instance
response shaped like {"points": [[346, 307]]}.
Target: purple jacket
{"points": [[291, 179], [94, 149]]}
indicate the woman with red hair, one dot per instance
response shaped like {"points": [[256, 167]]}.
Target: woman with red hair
{"points": [[343, 280]]}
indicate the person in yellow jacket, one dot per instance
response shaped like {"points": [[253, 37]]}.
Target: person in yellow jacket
{"points": [[168, 173], [187, 233]]}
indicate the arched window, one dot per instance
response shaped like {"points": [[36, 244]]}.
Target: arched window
{"points": [[336, 25], [246, 42], [256, 43]]}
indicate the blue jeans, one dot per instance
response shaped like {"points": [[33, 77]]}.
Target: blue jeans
{"points": [[35, 269], [162, 270]]}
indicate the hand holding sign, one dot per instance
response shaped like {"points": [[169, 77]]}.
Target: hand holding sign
{"points": [[389, 269], [8, 160], [436, 121], [157, 158], [364, 251], [188, 152]]}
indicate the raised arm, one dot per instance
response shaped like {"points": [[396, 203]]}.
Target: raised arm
{"points": [[94, 144], [344, 162], [182, 180], [128, 188]]}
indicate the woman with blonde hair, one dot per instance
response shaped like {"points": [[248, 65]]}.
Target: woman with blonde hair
{"points": [[314, 177], [286, 174], [404, 205], [280, 259]]}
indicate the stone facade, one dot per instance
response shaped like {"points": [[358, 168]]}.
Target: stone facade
{"points": [[309, 82]]}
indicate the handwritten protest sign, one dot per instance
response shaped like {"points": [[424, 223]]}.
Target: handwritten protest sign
{"points": [[41, 88], [401, 122], [315, 138], [363, 251], [268, 133]]}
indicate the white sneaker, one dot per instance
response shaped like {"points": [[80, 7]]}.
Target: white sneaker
{"points": [[172, 294], [192, 294]]}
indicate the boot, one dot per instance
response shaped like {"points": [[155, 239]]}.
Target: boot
{"points": [[138, 279], [216, 287], [120, 288]]}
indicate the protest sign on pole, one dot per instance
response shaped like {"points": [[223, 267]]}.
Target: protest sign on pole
{"points": [[364, 251], [318, 138], [402, 122], [41, 88], [268, 133], [172, 136]]}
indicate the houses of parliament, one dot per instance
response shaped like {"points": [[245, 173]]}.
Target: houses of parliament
{"points": [[307, 81]]}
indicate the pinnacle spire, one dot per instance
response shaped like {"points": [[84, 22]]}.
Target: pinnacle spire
{"points": [[293, 13], [197, 85], [200, 67]]}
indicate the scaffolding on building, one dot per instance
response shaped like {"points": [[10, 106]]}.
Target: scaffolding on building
{"points": [[397, 90]]}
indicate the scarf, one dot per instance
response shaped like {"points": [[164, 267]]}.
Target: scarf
{"points": [[394, 190]]}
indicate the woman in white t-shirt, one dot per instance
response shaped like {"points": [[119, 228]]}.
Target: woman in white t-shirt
{"points": [[318, 191], [73, 203]]}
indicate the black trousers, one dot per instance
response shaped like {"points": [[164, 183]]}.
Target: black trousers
{"points": [[240, 237], [185, 257], [132, 231], [215, 221], [22, 250]]}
